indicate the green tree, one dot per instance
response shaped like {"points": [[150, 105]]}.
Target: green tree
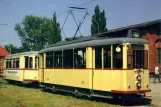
{"points": [[12, 49], [36, 32], [98, 21], [55, 31]]}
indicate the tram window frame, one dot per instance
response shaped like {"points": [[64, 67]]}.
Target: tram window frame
{"points": [[7, 63], [145, 59], [58, 59], [17, 62], [28, 62], [107, 59], [49, 59], [36, 61], [117, 56], [68, 58], [134, 59], [13, 63], [81, 61], [10, 63], [98, 57]]}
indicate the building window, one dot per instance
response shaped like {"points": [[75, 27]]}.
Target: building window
{"points": [[159, 55]]}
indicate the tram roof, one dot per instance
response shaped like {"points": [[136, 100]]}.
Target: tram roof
{"points": [[92, 42], [24, 53]]}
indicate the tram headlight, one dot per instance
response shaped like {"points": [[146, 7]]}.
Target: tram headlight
{"points": [[138, 79], [138, 84]]}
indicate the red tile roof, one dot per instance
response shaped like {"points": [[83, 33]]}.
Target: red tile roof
{"points": [[3, 51]]}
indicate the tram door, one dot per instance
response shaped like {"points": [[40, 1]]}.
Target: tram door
{"points": [[41, 68], [102, 63]]}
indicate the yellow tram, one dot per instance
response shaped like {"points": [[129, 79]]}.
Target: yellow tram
{"points": [[21, 67], [96, 66]]}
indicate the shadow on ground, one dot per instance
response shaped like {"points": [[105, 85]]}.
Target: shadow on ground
{"points": [[121, 102], [135, 101]]}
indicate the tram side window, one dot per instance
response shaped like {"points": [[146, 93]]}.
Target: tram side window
{"points": [[68, 58], [145, 59], [98, 57], [31, 62], [117, 57], [17, 62], [107, 57], [58, 59], [7, 63], [28, 62], [49, 60], [80, 58], [36, 62], [10, 63], [14, 63], [137, 59]]}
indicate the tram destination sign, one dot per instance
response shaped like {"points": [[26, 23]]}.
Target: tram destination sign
{"points": [[14, 73]]}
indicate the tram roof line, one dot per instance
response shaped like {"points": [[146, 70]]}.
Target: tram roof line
{"points": [[98, 42], [24, 53]]}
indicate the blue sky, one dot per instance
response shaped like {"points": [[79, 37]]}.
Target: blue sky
{"points": [[119, 13]]}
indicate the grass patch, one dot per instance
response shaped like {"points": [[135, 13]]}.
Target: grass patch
{"points": [[17, 96], [20, 96]]}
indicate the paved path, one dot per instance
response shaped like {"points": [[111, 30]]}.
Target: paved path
{"points": [[156, 93], [155, 96]]}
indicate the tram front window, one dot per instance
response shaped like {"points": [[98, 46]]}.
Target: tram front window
{"points": [[117, 57], [137, 59]]}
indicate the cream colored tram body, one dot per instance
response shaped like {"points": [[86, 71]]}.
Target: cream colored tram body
{"points": [[21, 67], [96, 66]]}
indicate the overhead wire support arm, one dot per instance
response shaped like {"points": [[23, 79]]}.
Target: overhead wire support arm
{"points": [[77, 8], [75, 22], [64, 24], [80, 24]]}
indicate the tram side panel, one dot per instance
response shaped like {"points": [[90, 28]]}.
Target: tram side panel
{"points": [[15, 74], [31, 73], [67, 77], [80, 78], [107, 80]]}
